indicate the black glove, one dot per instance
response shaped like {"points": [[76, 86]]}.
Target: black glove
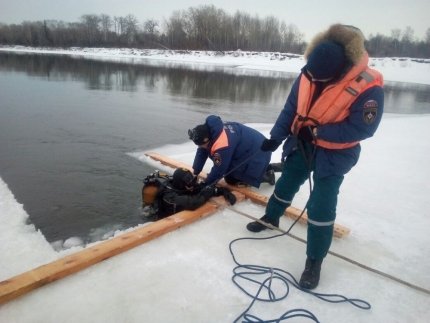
{"points": [[230, 197], [219, 191], [306, 134], [270, 145], [199, 186], [208, 191]]}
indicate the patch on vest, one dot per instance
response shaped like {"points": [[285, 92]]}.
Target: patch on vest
{"points": [[217, 159], [370, 111]]}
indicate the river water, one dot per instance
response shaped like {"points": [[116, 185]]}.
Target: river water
{"points": [[67, 126]]}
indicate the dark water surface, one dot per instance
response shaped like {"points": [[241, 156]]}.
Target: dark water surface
{"points": [[66, 126]]}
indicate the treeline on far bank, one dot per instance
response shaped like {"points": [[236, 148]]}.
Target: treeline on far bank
{"points": [[198, 28]]}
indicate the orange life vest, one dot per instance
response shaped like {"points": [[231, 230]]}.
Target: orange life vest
{"points": [[333, 105]]}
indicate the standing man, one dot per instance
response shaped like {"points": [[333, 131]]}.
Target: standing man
{"points": [[235, 151], [336, 102]]}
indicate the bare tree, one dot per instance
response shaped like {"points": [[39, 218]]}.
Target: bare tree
{"points": [[175, 31], [242, 23], [150, 34], [131, 24], [292, 38], [270, 36], [203, 27], [396, 33], [91, 26], [106, 24], [408, 34], [150, 26], [116, 25]]}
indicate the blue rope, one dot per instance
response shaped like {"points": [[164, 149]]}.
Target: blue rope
{"points": [[264, 277]]}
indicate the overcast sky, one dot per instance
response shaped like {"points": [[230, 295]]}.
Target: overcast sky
{"points": [[310, 16]]}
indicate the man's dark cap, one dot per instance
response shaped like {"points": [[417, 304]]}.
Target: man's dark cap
{"points": [[327, 60]]}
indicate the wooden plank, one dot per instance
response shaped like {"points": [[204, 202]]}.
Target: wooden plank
{"points": [[30, 280], [340, 231]]}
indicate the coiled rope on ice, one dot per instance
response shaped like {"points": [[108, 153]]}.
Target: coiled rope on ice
{"points": [[265, 277], [373, 270]]}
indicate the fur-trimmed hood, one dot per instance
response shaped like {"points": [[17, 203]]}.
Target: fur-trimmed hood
{"points": [[350, 37]]}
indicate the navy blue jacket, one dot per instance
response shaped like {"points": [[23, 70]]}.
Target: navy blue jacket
{"points": [[330, 162], [242, 158]]}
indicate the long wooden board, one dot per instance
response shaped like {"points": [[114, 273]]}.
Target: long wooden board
{"points": [[340, 231], [30, 280]]}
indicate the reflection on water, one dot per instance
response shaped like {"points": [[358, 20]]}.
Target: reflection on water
{"points": [[216, 85], [122, 77], [407, 98], [67, 124]]}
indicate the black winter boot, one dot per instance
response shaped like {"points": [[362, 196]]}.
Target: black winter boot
{"points": [[269, 177], [257, 226], [277, 167], [311, 275]]}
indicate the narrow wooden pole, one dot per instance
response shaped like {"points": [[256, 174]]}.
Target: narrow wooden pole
{"points": [[339, 231], [30, 280]]}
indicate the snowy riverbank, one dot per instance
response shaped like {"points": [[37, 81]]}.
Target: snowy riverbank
{"points": [[185, 276], [407, 70]]}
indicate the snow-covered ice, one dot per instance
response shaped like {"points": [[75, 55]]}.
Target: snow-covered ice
{"points": [[185, 275]]}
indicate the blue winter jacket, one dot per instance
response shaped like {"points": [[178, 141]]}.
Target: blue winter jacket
{"points": [[242, 158], [330, 162]]}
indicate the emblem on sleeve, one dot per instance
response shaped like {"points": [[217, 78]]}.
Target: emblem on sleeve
{"points": [[370, 111], [217, 159]]}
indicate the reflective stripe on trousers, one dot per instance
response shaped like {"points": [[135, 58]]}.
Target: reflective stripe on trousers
{"points": [[321, 206], [321, 215]]}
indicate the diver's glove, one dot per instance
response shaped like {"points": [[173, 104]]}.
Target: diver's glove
{"points": [[229, 196]]}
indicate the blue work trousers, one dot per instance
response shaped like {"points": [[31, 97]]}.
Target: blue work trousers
{"points": [[322, 203]]}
